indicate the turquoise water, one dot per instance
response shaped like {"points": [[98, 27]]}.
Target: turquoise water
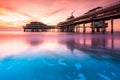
{"points": [[59, 56]]}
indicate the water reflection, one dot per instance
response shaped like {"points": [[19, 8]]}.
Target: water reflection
{"points": [[98, 44], [60, 56]]}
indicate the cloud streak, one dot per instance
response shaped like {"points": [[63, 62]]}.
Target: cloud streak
{"points": [[55, 12]]}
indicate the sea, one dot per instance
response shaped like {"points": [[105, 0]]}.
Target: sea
{"points": [[59, 56]]}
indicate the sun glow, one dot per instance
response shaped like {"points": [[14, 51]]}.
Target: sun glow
{"points": [[46, 20], [11, 19]]}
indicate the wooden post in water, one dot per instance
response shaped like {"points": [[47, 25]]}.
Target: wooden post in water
{"points": [[112, 25], [75, 28], [93, 26], [84, 30], [104, 29]]}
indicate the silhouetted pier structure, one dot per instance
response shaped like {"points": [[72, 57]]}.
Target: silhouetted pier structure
{"points": [[37, 27], [97, 17]]}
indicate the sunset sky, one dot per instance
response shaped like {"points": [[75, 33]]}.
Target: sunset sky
{"points": [[16, 13]]}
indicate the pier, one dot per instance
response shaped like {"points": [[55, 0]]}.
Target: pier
{"points": [[97, 18], [37, 27]]}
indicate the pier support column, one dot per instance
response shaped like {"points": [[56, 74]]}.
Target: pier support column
{"points": [[98, 29], [112, 25], [67, 28], [84, 28], [93, 26], [26, 30], [75, 28], [104, 29], [78, 28]]}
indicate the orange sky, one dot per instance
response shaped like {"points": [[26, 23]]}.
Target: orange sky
{"points": [[16, 13]]}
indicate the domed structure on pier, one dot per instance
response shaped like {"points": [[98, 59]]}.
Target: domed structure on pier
{"points": [[35, 27]]}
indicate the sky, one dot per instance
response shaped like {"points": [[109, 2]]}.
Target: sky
{"points": [[16, 13]]}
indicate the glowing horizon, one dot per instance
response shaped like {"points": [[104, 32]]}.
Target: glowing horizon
{"points": [[15, 14]]}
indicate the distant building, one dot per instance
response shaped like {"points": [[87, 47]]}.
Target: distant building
{"points": [[36, 27]]}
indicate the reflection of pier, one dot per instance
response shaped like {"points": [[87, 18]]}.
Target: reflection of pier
{"points": [[36, 42], [97, 17], [94, 45]]}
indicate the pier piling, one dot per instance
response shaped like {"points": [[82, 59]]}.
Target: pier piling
{"points": [[93, 26], [84, 28], [112, 25]]}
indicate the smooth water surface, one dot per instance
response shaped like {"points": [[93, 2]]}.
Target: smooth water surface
{"points": [[59, 56]]}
